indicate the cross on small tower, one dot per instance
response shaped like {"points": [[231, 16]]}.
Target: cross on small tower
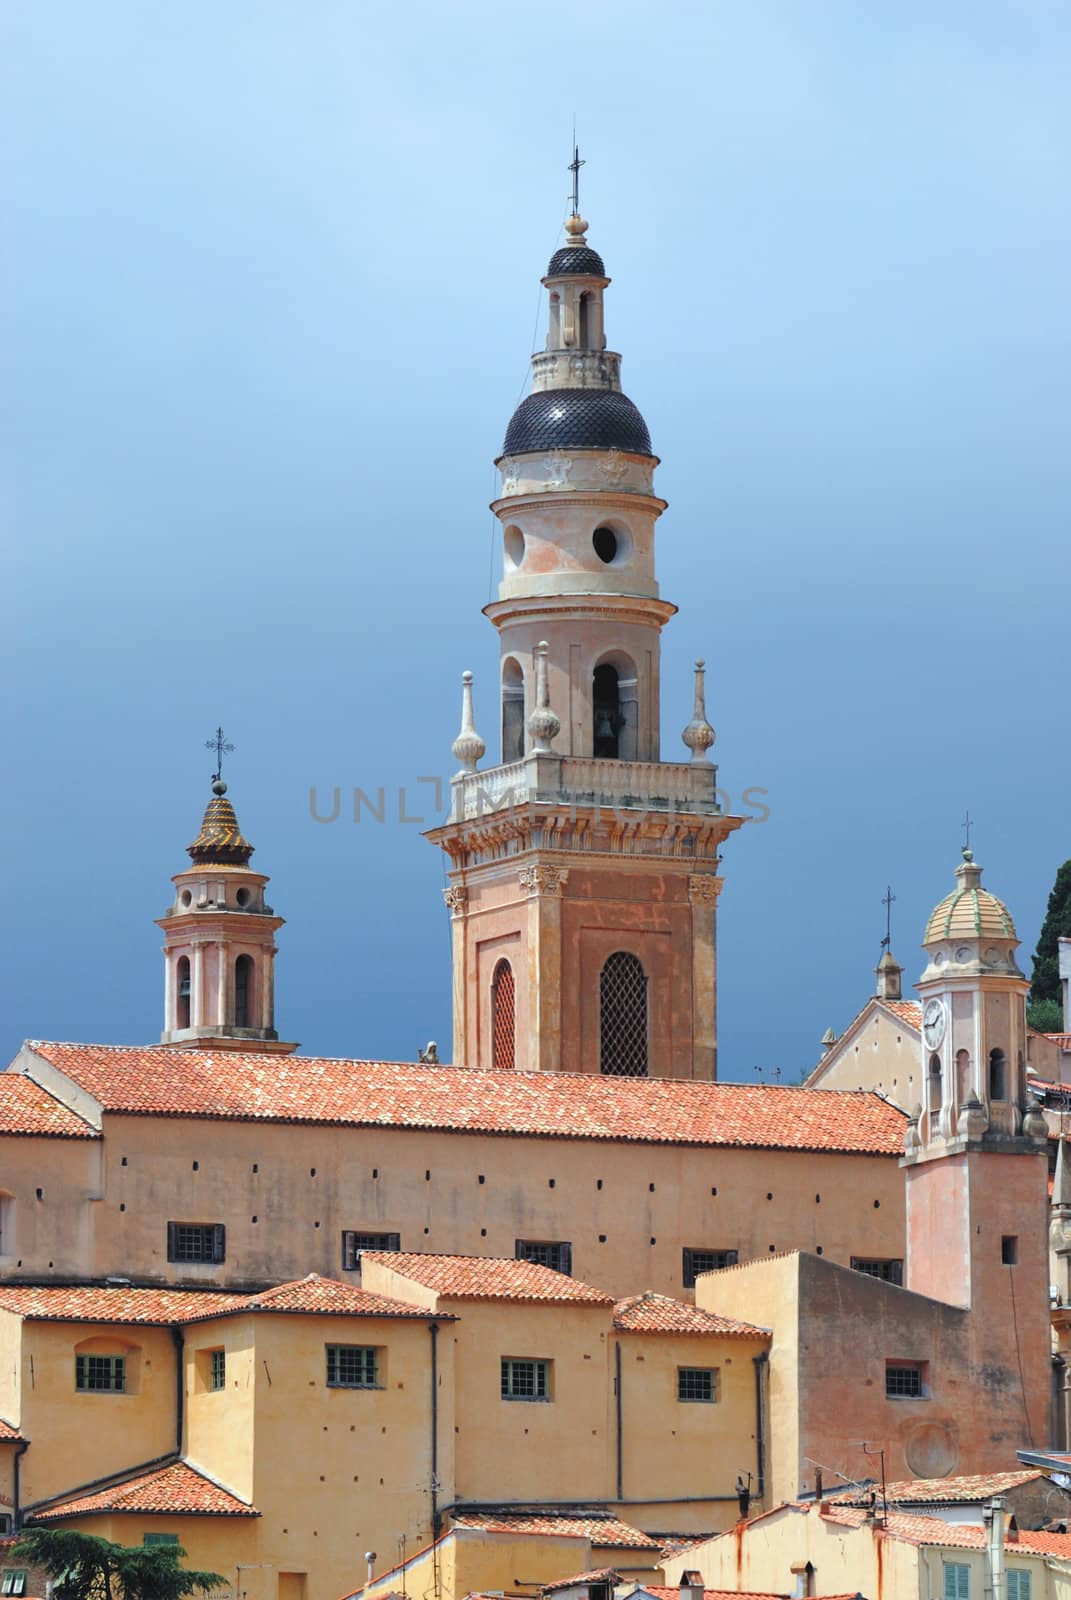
{"points": [[574, 167], [887, 900], [967, 825], [220, 745]]}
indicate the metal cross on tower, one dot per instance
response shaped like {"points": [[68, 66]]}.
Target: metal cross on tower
{"points": [[574, 167], [967, 825], [220, 745], [887, 900]]}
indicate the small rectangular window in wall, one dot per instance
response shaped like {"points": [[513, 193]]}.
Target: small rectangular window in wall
{"points": [[905, 1380], [1009, 1250], [957, 1581], [217, 1377], [152, 1541], [698, 1383], [554, 1253], [525, 1379], [13, 1581], [697, 1260], [889, 1270], [353, 1242], [5, 1523], [100, 1374], [352, 1366], [1019, 1583], [196, 1242]]}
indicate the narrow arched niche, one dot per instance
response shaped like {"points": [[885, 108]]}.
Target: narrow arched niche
{"points": [[512, 710], [244, 983], [615, 709]]}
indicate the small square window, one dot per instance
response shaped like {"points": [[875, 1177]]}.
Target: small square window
{"points": [[218, 1374], [697, 1383], [196, 1242], [554, 1253], [352, 1366], [697, 1260], [100, 1374], [13, 1581], [887, 1269], [905, 1380], [525, 1379], [1009, 1250]]}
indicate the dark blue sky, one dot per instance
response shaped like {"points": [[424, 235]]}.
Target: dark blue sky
{"points": [[274, 283]]}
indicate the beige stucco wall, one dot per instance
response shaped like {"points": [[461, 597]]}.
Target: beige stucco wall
{"points": [[468, 1560], [220, 1426], [10, 1368], [53, 1235], [877, 1051]]}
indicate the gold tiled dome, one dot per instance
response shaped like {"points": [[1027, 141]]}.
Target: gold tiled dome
{"points": [[969, 911], [220, 841]]}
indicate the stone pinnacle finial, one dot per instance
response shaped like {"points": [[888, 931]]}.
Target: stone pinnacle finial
{"points": [[468, 747], [543, 725], [699, 735]]}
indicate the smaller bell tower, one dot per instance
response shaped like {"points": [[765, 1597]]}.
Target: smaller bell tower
{"points": [[219, 944]]}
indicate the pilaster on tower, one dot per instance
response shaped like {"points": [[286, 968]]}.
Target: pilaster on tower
{"points": [[583, 868]]}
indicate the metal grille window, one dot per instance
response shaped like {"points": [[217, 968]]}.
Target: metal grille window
{"points": [[890, 1271], [703, 1260], [13, 1581], [196, 1242], [1018, 1583], [218, 1375], [903, 1380], [525, 1380], [553, 1253], [957, 1581], [697, 1383], [352, 1366], [623, 1017], [152, 1541], [100, 1374], [353, 1242], [503, 1012]]}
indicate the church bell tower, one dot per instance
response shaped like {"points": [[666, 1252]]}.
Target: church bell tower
{"points": [[583, 868]]}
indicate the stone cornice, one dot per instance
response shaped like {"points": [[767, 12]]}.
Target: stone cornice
{"points": [[583, 608]]}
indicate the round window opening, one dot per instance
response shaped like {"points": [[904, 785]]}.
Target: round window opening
{"points": [[606, 544], [513, 543], [186, 898], [242, 897]]}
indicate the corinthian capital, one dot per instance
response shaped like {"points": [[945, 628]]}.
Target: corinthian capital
{"points": [[456, 897], [543, 879], [703, 889]]}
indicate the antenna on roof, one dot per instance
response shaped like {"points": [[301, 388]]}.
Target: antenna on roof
{"points": [[879, 1451]]}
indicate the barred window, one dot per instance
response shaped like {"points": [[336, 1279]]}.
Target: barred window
{"points": [[503, 1017], [196, 1242], [889, 1271], [554, 1253], [218, 1374], [353, 1242], [697, 1383], [100, 1374], [697, 1260], [904, 1380], [525, 1379], [623, 1017], [152, 1541], [352, 1366], [957, 1581], [13, 1581]]}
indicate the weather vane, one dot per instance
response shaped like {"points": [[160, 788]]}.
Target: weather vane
{"points": [[574, 167], [220, 745], [967, 825], [887, 901]]}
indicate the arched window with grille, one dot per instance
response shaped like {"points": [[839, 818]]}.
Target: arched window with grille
{"points": [[243, 992], [623, 1016], [182, 997], [503, 1017]]}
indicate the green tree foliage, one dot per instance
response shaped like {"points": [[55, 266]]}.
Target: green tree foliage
{"points": [[83, 1567], [1045, 978]]}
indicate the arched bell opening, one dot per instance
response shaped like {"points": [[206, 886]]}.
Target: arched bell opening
{"points": [[512, 710]]}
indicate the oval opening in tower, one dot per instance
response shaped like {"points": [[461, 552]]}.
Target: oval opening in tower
{"points": [[243, 896], [606, 544], [513, 544]]}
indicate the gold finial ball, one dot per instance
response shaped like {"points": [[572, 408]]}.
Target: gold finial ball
{"points": [[576, 226]]}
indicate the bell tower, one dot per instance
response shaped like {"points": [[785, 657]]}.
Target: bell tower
{"points": [[583, 868], [219, 943]]}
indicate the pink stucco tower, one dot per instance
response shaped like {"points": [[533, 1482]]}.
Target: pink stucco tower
{"points": [[583, 868], [219, 943]]}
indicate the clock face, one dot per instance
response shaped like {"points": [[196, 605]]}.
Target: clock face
{"points": [[933, 1023]]}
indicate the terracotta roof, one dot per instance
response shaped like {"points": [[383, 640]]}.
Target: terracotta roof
{"points": [[206, 1083], [488, 1278], [908, 1011], [661, 1593], [959, 1535], [28, 1110], [657, 1313], [600, 1575], [177, 1490], [8, 1434], [603, 1529], [1061, 1039], [944, 1491], [313, 1296]]}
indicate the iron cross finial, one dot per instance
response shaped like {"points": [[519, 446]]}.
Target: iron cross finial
{"points": [[887, 900], [222, 747], [574, 167], [967, 825]]}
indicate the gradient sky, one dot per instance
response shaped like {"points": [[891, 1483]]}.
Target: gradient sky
{"points": [[274, 281]]}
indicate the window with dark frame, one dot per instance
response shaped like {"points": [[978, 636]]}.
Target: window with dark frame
{"points": [[152, 1541], [697, 1260], [554, 1253], [218, 1371], [100, 1374], [196, 1242], [353, 1242], [352, 1366], [1009, 1250], [904, 1380], [525, 1378], [13, 1581], [889, 1270], [698, 1384]]}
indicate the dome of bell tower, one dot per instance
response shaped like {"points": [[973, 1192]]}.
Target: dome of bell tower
{"points": [[969, 911]]}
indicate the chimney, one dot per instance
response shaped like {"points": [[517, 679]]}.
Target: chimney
{"points": [[818, 1485], [692, 1586], [993, 1516], [370, 1557]]}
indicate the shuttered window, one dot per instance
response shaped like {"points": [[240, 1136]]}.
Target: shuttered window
{"points": [[1018, 1583], [957, 1581]]}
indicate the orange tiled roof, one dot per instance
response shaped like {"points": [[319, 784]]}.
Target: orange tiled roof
{"points": [[206, 1083], [600, 1575], [1061, 1039], [661, 1593], [602, 1529], [8, 1434], [908, 1011], [657, 1313], [91, 1302], [177, 1491], [26, 1109], [959, 1535], [944, 1491], [488, 1278]]}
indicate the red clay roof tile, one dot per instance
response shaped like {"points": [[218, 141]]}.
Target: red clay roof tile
{"points": [[30, 1111], [603, 1530], [943, 1491], [205, 1083], [313, 1296], [908, 1011], [488, 1278], [657, 1313], [8, 1434], [178, 1490], [958, 1535]]}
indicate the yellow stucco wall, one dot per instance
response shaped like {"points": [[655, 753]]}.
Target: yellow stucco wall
{"points": [[230, 1546], [11, 1368], [220, 1434], [53, 1235], [469, 1560]]}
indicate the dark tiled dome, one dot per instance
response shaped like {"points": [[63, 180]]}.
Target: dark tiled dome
{"points": [[600, 419], [576, 258]]}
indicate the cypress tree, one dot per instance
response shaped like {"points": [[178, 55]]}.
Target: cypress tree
{"points": [[1045, 993]]}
